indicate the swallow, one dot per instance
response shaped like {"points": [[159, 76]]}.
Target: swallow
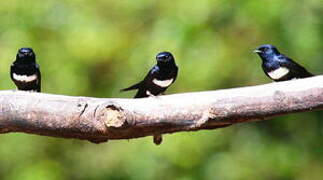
{"points": [[279, 67], [158, 79], [25, 72]]}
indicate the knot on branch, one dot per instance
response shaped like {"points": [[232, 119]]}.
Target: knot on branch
{"points": [[157, 138], [113, 116], [215, 117]]}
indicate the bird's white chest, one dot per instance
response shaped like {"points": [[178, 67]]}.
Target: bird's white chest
{"points": [[278, 73], [163, 83], [24, 78]]}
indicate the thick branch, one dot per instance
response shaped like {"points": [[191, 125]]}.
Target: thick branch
{"points": [[100, 119]]}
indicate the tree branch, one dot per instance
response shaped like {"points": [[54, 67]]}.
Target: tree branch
{"points": [[100, 119]]}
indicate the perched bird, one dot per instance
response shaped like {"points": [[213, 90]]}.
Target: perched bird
{"points": [[24, 71], [279, 67], [158, 79]]}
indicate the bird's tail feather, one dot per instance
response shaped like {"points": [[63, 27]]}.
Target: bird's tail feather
{"points": [[135, 86], [310, 74], [306, 74]]}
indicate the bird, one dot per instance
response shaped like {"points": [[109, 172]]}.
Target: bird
{"points": [[158, 79], [25, 72], [279, 67]]}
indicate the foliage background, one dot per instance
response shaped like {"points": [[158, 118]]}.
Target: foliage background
{"points": [[94, 48]]}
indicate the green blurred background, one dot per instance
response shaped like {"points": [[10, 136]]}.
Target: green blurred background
{"points": [[94, 48]]}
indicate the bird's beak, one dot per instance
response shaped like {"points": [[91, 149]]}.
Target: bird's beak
{"points": [[257, 51]]}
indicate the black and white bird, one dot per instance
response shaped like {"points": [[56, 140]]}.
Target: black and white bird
{"points": [[25, 72], [279, 67], [158, 79]]}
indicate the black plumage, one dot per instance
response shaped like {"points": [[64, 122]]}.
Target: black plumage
{"points": [[25, 72], [158, 79], [279, 67]]}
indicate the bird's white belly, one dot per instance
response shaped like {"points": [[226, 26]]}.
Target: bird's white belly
{"points": [[24, 78], [278, 73], [163, 83]]}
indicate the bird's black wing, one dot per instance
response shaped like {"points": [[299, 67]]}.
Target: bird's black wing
{"points": [[38, 83], [176, 72], [146, 83], [11, 71], [147, 78], [298, 70], [133, 87]]}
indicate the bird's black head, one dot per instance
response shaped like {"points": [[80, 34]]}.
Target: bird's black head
{"points": [[26, 54], [266, 50], [165, 58]]}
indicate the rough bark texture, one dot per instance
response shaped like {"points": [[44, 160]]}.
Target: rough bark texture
{"points": [[100, 119]]}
